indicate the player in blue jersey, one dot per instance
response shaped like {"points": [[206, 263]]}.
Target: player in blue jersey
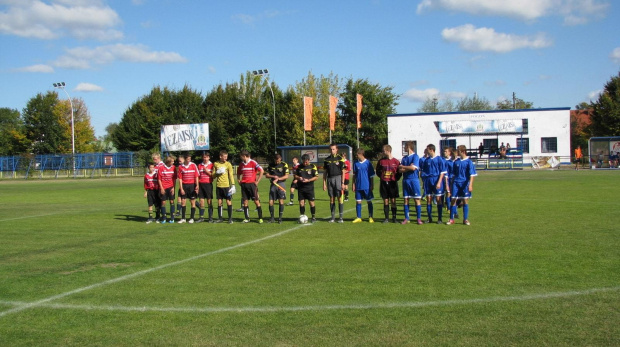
{"points": [[434, 169], [448, 155], [410, 168], [363, 185], [464, 171]]}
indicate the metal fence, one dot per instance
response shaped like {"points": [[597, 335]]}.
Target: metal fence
{"points": [[83, 165]]}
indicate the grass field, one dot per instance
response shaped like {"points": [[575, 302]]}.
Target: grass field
{"points": [[540, 265]]}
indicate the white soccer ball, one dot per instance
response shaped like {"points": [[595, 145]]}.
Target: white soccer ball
{"points": [[303, 219]]}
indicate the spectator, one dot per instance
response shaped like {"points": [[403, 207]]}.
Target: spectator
{"points": [[480, 150]]}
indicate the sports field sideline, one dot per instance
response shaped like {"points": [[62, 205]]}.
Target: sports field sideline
{"points": [[538, 266]]}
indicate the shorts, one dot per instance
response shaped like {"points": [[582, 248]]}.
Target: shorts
{"points": [[365, 194], [294, 185], [460, 190], [276, 193], [411, 189], [346, 181], [306, 194], [430, 186], [205, 190], [222, 193], [389, 189], [334, 186], [190, 191], [168, 194], [152, 197], [249, 191]]}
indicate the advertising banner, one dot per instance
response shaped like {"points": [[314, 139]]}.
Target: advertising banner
{"points": [[481, 126], [184, 137]]}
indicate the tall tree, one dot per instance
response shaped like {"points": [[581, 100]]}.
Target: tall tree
{"points": [[474, 103], [44, 127], [12, 138], [378, 102], [606, 110], [516, 104], [433, 105], [83, 130]]}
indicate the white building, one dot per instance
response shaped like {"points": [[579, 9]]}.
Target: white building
{"points": [[537, 132]]}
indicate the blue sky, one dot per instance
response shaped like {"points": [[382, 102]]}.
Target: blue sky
{"points": [[554, 53]]}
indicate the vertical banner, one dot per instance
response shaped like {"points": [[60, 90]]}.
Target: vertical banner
{"points": [[333, 102], [307, 113], [359, 110]]}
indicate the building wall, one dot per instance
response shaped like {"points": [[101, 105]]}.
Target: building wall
{"points": [[421, 128]]}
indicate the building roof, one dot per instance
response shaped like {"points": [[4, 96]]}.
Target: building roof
{"points": [[486, 111]]}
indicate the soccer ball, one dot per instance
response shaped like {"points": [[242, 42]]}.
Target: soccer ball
{"points": [[303, 219]]}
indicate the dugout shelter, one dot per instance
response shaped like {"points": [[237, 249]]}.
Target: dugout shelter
{"points": [[317, 153], [603, 152]]}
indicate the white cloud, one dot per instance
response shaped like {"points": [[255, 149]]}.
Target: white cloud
{"points": [[39, 68], [421, 95], [249, 19], [211, 69], [81, 19], [86, 57], [475, 39], [615, 55], [593, 95], [88, 87], [573, 11]]}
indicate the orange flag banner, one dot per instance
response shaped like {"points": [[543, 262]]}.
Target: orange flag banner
{"points": [[333, 102], [359, 110], [307, 113]]}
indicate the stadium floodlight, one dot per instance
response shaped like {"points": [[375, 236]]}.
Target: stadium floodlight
{"points": [[61, 85], [261, 73]]}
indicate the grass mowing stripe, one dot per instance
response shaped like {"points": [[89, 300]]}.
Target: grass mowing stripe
{"points": [[415, 304], [146, 271]]}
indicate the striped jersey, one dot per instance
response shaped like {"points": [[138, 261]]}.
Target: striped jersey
{"points": [[205, 171], [150, 181], [167, 176], [188, 173], [248, 171]]}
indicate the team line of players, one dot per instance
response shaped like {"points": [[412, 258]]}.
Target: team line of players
{"points": [[450, 176]]}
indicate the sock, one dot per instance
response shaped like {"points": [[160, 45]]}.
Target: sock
{"points": [[394, 209], [341, 209], [271, 209], [371, 209], [452, 211], [313, 210], [292, 197], [163, 211], [386, 211], [229, 212], [210, 212], [246, 212], [346, 194], [406, 209], [418, 211], [192, 212], [429, 211], [150, 214], [157, 213], [358, 210], [465, 211], [302, 209], [178, 207], [220, 211], [201, 212], [332, 209], [260, 212], [281, 210], [183, 209], [171, 210], [439, 211]]}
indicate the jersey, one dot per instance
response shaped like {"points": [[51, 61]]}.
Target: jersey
{"points": [[411, 159], [422, 173], [159, 165], [248, 171], [167, 176], [449, 163], [347, 167], [334, 165], [188, 173], [205, 171], [224, 179], [150, 181], [279, 170], [463, 170], [306, 172], [434, 167], [363, 173], [387, 169]]}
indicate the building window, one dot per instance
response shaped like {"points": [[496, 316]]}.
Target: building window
{"points": [[525, 126], [549, 145], [490, 146], [443, 144], [404, 149], [523, 144]]}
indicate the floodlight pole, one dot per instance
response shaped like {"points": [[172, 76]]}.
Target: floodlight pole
{"points": [[265, 72], [61, 85]]}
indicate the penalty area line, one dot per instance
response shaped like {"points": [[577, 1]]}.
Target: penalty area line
{"points": [[276, 309]]}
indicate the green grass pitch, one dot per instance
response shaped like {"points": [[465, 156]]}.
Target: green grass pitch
{"points": [[540, 265]]}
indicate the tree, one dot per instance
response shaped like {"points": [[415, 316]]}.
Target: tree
{"points": [[12, 138], [45, 128], [605, 118], [518, 104], [377, 102], [473, 104], [433, 105], [83, 130]]}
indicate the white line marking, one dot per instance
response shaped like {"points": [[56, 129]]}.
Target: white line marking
{"points": [[268, 309]]}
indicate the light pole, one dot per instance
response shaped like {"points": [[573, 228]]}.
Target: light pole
{"points": [[61, 85], [265, 72]]}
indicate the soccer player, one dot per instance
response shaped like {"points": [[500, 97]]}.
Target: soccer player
{"points": [[333, 178], [157, 161], [246, 175], [205, 186], [151, 193], [449, 158], [294, 183], [167, 178], [410, 169], [363, 185], [189, 177], [224, 179], [305, 175], [435, 169], [347, 176], [464, 171], [387, 170], [277, 173]]}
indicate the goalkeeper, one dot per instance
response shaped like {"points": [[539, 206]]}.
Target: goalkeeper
{"points": [[225, 185]]}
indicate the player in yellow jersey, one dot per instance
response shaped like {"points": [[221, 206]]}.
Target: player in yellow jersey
{"points": [[224, 185]]}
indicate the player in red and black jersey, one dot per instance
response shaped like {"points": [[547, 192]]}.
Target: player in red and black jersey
{"points": [[167, 177], [247, 172], [294, 183], [188, 189], [205, 186], [347, 176], [387, 170], [151, 193]]}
